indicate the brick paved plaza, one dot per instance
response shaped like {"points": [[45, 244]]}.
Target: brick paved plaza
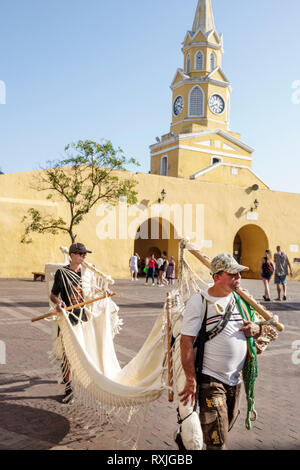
{"points": [[32, 416]]}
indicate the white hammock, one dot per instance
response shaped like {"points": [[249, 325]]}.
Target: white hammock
{"points": [[98, 381]]}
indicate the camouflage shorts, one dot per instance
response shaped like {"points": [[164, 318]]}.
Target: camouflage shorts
{"points": [[219, 409]]}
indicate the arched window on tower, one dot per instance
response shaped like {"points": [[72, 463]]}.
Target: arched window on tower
{"points": [[164, 165], [213, 61], [188, 63], [196, 102], [199, 61]]}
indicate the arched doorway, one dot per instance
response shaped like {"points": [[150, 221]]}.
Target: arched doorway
{"points": [[155, 236], [249, 246]]}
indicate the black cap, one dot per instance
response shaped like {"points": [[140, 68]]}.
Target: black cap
{"points": [[78, 248]]}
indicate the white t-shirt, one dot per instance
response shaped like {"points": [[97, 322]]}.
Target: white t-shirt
{"points": [[225, 354]]}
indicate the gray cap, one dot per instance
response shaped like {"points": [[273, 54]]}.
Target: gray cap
{"points": [[78, 248], [226, 262]]}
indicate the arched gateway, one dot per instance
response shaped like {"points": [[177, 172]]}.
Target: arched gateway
{"points": [[249, 246], [154, 236]]}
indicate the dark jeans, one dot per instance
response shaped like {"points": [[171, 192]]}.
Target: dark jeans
{"points": [[219, 409], [150, 273]]}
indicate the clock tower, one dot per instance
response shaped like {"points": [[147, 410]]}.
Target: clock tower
{"points": [[200, 140], [201, 91]]}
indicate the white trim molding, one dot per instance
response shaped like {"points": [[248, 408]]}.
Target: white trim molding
{"points": [[199, 81], [220, 132], [212, 167], [197, 149]]}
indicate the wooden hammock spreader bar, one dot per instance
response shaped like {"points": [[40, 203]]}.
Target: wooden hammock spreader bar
{"points": [[169, 350], [51, 314], [241, 292]]}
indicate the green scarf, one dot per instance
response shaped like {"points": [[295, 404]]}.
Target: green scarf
{"points": [[250, 367]]}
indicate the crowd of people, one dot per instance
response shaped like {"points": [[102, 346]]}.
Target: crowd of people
{"points": [[162, 268], [279, 266]]}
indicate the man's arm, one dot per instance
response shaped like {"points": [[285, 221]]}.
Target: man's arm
{"points": [[251, 329], [58, 302], [188, 364], [56, 288]]}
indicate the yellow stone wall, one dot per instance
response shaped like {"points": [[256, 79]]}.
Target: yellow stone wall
{"points": [[225, 208]]}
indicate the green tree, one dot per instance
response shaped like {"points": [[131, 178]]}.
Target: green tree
{"points": [[84, 177]]}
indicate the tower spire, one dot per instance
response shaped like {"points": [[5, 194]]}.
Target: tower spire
{"points": [[204, 18]]}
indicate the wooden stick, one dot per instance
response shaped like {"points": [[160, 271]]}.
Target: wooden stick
{"points": [[170, 360], [241, 292], [51, 314]]}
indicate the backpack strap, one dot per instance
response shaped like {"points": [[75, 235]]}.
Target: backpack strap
{"points": [[204, 336], [200, 340], [223, 322]]}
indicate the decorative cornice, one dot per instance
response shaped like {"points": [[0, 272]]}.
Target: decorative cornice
{"points": [[199, 80], [202, 44], [216, 165], [203, 134], [215, 152]]}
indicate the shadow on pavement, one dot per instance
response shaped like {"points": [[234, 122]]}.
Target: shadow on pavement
{"points": [[26, 304], [34, 423], [19, 383], [142, 306], [282, 306]]}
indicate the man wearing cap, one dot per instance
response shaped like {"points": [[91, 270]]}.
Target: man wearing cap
{"points": [[215, 316], [67, 291]]}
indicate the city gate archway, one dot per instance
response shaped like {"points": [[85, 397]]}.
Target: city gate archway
{"points": [[249, 246], [155, 236]]}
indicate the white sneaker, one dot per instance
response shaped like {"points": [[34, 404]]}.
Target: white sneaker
{"points": [[153, 284], [145, 283]]}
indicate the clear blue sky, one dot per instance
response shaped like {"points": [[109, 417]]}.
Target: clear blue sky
{"points": [[95, 69]]}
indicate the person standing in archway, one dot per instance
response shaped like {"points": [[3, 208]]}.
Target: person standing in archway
{"points": [[151, 270], [133, 266], [171, 271], [282, 265], [162, 271], [267, 269]]}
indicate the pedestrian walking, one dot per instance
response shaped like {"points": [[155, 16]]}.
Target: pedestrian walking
{"points": [[282, 265], [225, 348], [151, 270], [171, 271], [133, 266], [267, 269], [67, 291], [162, 271]]}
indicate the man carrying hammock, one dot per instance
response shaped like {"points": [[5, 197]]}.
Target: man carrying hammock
{"points": [[225, 330], [67, 291]]}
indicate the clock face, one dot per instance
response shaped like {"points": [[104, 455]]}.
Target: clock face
{"points": [[216, 104], [178, 105]]}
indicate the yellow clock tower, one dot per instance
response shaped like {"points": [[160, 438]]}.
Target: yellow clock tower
{"points": [[200, 143]]}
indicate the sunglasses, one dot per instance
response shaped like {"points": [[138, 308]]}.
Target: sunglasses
{"points": [[83, 255]]}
